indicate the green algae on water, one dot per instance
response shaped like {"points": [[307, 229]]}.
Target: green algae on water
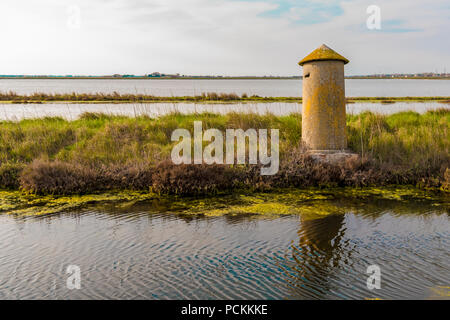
{"points": [[440, 292], [18, 203], [309, 203]]}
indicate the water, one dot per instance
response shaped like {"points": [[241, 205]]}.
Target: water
{"points": [[290, 88], [152, 251], [270, 88], [73, 111]]}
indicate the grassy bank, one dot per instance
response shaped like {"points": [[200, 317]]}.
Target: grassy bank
{"points": [[210, 97], [99, 152]]}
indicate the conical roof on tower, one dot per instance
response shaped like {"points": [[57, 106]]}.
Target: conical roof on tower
{"points": [[323, 53]]}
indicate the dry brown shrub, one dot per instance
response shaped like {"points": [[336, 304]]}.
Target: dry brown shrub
{"points": [[193, 179], [9, 175], [56, 177]]}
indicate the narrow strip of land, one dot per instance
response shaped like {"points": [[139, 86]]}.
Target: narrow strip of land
{"points": [[174, 77], [211, 97], [100, 152]]}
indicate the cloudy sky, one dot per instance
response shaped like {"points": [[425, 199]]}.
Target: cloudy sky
{"points": [[226, 37]]}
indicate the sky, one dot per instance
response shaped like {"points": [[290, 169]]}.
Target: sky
{"points": [[220, 37]]}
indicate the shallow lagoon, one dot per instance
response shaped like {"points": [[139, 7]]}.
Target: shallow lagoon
{"points": [[265, 88], [72, 111], [291, 244]]}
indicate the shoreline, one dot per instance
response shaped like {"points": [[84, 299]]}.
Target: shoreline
{"points": [[206, 98], [217, 78]]}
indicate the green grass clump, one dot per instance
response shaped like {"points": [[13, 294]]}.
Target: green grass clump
{"points": [[407, 139], [102, 152]]}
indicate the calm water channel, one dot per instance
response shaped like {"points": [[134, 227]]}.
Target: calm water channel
{"points": [[73, 111], [270, 88]]}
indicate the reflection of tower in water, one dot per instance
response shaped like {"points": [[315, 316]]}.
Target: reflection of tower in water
{"points": [[317, 254]]}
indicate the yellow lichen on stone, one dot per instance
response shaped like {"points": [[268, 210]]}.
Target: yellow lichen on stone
{"points": [[323, 53], [323, 115]]}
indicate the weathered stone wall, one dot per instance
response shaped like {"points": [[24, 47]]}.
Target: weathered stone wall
{"points": [[323, 119]]}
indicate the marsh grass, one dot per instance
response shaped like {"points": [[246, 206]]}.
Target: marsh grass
{"points": [[133, 98], [208, 97], [100, 152]]}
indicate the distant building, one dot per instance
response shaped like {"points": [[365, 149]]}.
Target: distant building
{"points": [[159, 75], [155, 75]]}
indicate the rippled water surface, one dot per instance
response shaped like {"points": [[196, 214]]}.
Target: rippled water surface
{"points": [[147, 251]]}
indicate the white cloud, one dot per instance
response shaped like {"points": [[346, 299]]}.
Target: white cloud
{"points": [[216, 37]]}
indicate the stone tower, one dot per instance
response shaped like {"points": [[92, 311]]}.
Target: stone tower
{"points": [[323, 116]]}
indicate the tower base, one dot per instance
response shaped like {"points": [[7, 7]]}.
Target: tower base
{"points": [[333, 156]]}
